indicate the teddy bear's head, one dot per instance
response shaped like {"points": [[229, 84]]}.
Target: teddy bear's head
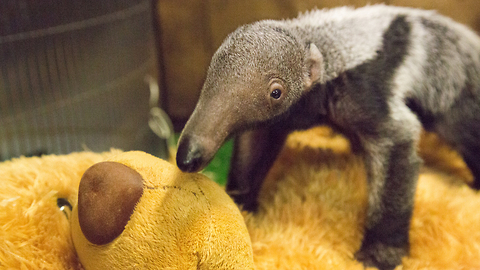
{"points": [[136, 211]]}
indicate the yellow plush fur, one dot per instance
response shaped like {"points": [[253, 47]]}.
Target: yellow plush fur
{"points": [[34, 233], [311, 215], [313, 207]]}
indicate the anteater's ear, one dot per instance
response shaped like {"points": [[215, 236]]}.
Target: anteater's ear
{"points": [[314, 62]]}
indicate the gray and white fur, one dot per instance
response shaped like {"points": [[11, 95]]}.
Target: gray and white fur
{"points": [[377, 74]]}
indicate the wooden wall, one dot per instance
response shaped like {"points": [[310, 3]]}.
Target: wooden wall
{"points": [[191, 30]]}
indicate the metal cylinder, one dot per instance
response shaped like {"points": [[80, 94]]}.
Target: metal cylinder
{"points": [[73, 76]]}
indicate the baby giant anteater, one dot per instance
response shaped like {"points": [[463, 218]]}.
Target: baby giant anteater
{"points": [[377, 74]]}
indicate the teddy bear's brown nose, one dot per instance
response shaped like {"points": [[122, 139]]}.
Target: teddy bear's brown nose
{"points": [[107, 196]]}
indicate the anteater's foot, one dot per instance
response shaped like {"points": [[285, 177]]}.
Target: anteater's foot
{"points": [[380, 255]]}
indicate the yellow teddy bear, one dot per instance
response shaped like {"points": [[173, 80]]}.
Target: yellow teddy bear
{"points": [[136, 211]]}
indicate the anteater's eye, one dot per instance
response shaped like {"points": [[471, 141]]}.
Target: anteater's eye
{"points": [[276, 90], [276, 93]]}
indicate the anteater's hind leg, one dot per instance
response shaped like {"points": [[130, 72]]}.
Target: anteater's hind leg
{"points": [[461, 127]]}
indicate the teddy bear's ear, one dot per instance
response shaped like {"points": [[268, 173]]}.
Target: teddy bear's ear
{"points": [[107, 196]]}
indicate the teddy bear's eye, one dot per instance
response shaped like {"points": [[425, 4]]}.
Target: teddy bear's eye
{"points": [[64, 206]]}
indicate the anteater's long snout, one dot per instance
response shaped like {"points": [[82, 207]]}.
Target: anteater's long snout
{"points": [[204, 133], [189, 155]]}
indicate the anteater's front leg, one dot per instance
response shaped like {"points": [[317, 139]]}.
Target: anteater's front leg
{"points": [[253, 155], [392, 165]]}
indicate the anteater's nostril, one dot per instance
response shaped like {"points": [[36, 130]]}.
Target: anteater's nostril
{"points": [[189, 156]]}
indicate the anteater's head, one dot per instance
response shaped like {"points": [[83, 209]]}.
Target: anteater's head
{"points": [[255, 76]]}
